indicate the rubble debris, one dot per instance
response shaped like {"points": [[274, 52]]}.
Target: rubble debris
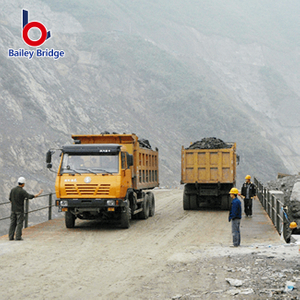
{"points": [[289, 286], [233, 292], [247, 291], [209, 143], [234, 282], [177, 297], [274, 278]]}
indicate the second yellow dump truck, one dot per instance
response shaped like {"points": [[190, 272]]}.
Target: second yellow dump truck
{"points": [[208, 174], [106, 177]]}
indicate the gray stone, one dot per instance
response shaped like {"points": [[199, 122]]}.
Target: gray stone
{"points": [[234, 282], [295, 196]]}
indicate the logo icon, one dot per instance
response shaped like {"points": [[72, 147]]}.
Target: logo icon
{"points": [[87, 179], [29, 25]]}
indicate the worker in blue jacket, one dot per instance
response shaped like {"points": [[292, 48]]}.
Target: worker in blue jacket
{"points": [[235, 216]]}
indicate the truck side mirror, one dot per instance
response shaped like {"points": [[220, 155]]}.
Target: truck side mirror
{"points": [[237, 159], [48, 159], [129, 160]]}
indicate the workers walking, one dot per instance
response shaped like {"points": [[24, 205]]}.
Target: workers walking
{"points": [[235, 216], [248, 192], [17, 197]]}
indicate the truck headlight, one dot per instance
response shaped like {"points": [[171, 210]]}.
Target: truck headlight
{"points": [[64, 203], [110, 202]]}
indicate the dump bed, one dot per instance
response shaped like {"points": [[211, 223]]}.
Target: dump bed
{"points": [[145, 173], [208, 165]]}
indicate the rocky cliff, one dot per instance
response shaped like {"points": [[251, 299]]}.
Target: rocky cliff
{"points": [[155, 69]]}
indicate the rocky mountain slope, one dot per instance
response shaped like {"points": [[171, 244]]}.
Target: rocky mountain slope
{"points": [[171, 73]]}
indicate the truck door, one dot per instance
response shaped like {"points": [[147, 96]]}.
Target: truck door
{"points": [[125, 174]]}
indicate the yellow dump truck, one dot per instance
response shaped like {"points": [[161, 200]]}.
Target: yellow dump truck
{"points": [[208, 175], [106, 177]]}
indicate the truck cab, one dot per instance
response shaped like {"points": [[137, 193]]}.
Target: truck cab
{"points": [[93, 170]]}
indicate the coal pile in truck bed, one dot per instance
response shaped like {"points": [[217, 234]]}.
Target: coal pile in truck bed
{"points": [[144, 143], [209, 143]]}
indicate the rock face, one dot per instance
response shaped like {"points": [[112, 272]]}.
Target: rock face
{"points": [[295, 196], [171, 85], [286, 185], [290, 187]]}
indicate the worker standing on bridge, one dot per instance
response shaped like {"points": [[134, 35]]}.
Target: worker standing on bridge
{"points": [[235, 216], [248, 192], [16, 197]]}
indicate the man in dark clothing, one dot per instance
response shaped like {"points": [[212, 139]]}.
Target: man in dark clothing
{"points": [[17, 197], [235, 216], [248, 192]]}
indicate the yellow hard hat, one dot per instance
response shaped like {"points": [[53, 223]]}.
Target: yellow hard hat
{"points": [[248, 177], [293, 225], [234, 191]]}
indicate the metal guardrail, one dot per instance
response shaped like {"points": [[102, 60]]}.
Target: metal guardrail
{"points": [[27, 211], [271, 204]]}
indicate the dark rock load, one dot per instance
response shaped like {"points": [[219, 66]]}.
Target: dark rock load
{"points": [[209, 143], [144, 143]]}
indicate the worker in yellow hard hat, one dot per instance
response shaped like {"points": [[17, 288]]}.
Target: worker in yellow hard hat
{"points": [[235, 216], [248, 192]]}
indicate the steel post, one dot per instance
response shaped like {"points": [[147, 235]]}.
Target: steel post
{"points": [[26, 212], [50, 207]]}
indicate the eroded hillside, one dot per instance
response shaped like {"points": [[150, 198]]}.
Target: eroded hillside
{"points": [[154, 75]]}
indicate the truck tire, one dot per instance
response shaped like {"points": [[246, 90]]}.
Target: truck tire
{"points": [[144, 214], [186, 197], [125, 218], [225, 202], [193, 202], [186, 201], [151, 204], [190, 197], [69, 219]]}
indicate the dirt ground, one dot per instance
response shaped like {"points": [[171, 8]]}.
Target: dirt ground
{"points": [[176, 254]]}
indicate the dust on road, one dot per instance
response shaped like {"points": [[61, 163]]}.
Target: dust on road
{"points": [[175, 254]]}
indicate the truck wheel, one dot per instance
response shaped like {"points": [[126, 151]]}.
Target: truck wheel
{"points": [[151, 204], [144, 214], [125, 218], [69, 219], [186, 201], [193, 202], [225, 202]]}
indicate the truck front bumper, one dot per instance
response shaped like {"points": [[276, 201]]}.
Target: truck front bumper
{"points": [[90, 204]]}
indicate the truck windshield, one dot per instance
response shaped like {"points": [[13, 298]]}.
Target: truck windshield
{"points": [[73, 163]]}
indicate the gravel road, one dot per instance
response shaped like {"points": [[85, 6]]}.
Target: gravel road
{"points": [[176, 254]]}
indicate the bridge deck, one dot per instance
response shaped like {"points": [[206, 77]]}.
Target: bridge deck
{"points": [[96, 261]]}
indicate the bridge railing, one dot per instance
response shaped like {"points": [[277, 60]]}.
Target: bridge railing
{"points": [[27, 211], [271, 204]]}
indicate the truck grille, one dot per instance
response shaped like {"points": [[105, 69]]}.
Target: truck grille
{"points": [[87, 189]]}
